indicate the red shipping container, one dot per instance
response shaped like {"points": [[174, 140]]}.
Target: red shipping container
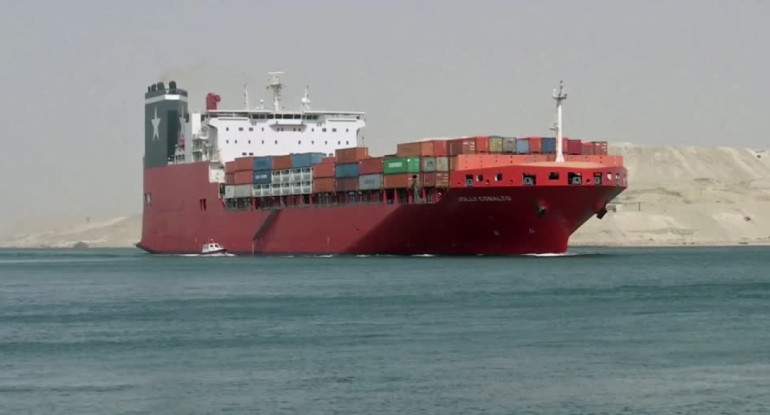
{"points": [[397, 181], [326, 160], [535, 145], [587, 149], [229, 178], [282, 162], [351, 155], [323, 170], [408, 150], [574, 147], [462, 146], [243, 164], [243, 177], [440, 148], [370, 166], [482, 144], [600, 148], [230, 167], [428, 180], [347, 184], [323, 185]]}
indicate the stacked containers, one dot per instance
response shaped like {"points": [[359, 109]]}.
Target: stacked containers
{"points": [[370, 171], [323, 176], [470, 145], [398, 171], [347, 168]]}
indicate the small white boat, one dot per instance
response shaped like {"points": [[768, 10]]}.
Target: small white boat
{"points": [[213, 248]]}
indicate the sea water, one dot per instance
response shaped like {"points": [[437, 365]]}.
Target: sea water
{"points": [[656, 331]]}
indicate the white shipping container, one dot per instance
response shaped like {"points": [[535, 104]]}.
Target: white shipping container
{"points": [[229, 191], [442, 163], [370, 182], [428, 164], [242, 190]]}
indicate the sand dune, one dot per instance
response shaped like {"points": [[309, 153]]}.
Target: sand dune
{"points": [[676, 196]]}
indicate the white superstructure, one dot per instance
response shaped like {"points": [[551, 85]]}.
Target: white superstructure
{"points": [[222, 135]]}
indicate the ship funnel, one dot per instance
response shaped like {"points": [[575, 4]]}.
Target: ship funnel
{"points": [[172, 85]]}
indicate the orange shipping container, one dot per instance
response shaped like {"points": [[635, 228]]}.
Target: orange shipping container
{"points": [[282, 162], [398, 181], [230, 167], [347, 184], [326, 160], [480, 161], [243, 177], [600, 148], [323, 185], [370, 166], [536, 145], [243, 164], [351, 155], [419, 149], [323, 170], [587, 149], [229, 178]]}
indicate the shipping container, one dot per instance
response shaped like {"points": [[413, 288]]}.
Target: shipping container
{"points": [[346, 184], [574, 147], [535, 145], [478, 161], [262, 177], [435, 180], [495, 145], [440, 148], [326, 160], [600, 148], [242, 177], [370, 182], [461, 146], [428, 164], [398, 181], [509, 145], [323, 170], [230, 167], [346, 170], [262, 163], [229, 178], [299, 161], [370, 166], [398, 165], [229, 192], [418, 149], [587, 149], [351, 155], [242, 190], [522, 146], [243, 163], [282, 162], [323, 185], [442, 163], [548, 145], [482, 144]]}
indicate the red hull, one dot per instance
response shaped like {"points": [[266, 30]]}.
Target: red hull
{"points": [[467, 221]]}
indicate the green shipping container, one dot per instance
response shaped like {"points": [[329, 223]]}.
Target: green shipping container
{"points": [[400, 165]]}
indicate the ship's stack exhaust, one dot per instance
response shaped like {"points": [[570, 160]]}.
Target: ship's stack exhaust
{"points": [[165, 118]]}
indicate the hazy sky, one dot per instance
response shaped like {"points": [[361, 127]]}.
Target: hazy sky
{"points": [[74, 73]]}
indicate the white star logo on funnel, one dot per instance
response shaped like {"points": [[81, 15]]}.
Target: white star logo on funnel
{"points": [[155, 123]]}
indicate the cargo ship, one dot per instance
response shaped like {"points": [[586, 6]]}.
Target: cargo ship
{"points": [[269, 180]]}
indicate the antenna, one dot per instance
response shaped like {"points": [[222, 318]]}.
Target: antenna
{"points": [[261, 104], [274, 83], [245, 96], [559, 95], [306, 99]]}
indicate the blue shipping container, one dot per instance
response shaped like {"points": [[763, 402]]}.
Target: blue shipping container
{"points": [[263, 163], [549, 145], [262, 177], [342, 171], [299, 161], [522, 146]]}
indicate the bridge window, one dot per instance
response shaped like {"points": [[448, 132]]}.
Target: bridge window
{"points": [[347, 129], [554, 175], [227, 128], [326, 142], [276, 142], [240, 128], [251, 128], [263, 141], [334, 130], [249, 141], [323, 130], [227, 141]]}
